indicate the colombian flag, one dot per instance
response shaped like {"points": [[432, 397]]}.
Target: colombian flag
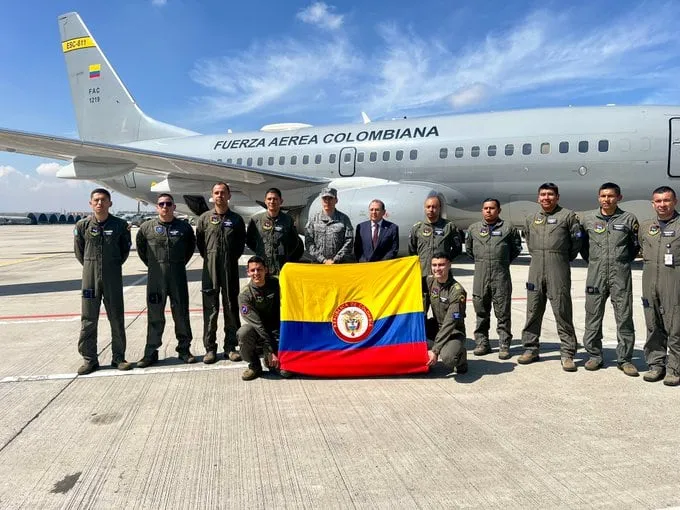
{"points": [[95, 70], [353, 319]]}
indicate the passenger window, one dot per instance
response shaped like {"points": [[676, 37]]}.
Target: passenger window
{"points": [[491, 150], [443, 153], [386, 155], [229, 161], [305, 159], [474, 152], [400, 155], [317, 159], [583, 146], [603, 145], [270, 160], [360, 157], [545, 148], [293, 160], [373, 157], [509, 149], [413, 155], [347, 157], [459, 152], [564, 147], [249, 162], [331, 158], [526, 149], [239, 161], [282, 160]]}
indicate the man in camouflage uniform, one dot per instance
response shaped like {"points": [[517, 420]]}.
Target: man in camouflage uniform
{"points": [[260, 304], [493, 244], [165, 245], [435, 234], [660, 245], [102, 245], [329, 237], [272, 234], [553, 237], [221, 238], [445, 330], [610, 244]]}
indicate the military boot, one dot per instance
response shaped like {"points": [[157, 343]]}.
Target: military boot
{"points": [[210, 357], [593, 364], [504, 351], [527, 357], [88, 367], [233, 355], [568, 364], [628, 369], [251, 373], [671, 380], [148, 360], [482, 349], [655, 374], [122, 365]]}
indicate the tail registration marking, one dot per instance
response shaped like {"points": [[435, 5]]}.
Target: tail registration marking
{"points": [[78, 43]]}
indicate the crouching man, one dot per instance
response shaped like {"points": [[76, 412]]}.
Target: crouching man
{"points": [[446, 329], [259, 303]]}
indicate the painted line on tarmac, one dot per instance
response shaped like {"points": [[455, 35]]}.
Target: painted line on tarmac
{"points": [[73, 317], [112, 372], [27, 259]]}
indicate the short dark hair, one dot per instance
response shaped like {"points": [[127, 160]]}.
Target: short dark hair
{"points": [[256, 259], [549, 186], [166, 195], [277, 191], [441, 255], [498, 203], [101, 191], [664, 189], [221, 183], [610, 185], [377, 201], [434, 194]]}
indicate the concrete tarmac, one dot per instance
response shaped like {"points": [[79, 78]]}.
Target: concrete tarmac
{"points": [[197, 436]]}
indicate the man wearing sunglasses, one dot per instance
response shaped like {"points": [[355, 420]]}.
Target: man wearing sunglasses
{"points": [[165, 245]]}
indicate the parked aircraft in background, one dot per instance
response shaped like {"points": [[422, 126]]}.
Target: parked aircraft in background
{"points": [[463, 158]]}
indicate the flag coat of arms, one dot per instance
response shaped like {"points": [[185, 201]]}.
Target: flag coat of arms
{"points": [[353, 319]]}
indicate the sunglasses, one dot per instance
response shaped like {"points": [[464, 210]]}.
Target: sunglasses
{"points": [[165, 204]]}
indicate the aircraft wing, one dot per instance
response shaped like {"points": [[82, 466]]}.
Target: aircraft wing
{"points": [[93, 160]]}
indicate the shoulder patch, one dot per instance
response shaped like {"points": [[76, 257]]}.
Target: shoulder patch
{"points": [[416, 224]]}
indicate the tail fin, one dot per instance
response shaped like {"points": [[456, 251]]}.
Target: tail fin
{"points": [[105, 110]]}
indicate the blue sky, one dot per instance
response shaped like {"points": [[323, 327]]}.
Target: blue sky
{"points": [[212, 66]]}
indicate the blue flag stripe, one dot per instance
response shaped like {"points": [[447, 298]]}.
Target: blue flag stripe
{"points": [[319, 336]]}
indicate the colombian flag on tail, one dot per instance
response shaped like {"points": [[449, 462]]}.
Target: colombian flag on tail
{"points": [[353, 319]]}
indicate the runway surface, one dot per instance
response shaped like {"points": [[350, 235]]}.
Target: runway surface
{"points": [[197, 436]]}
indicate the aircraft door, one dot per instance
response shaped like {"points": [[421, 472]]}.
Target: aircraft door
{"points": [[674, 149], [130, 180], [346, 165]]}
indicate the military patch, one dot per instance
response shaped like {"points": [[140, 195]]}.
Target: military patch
{"points": [[668, 233], [654, 230], [496, 233], [434, 293], [174, 233], [599, 227], [75, 232], [443, 299], [439, 231], [636, 227], [539, 220], [552, 221], [214, 219], [462, 299], [645, 303], [259, 299], [89, 293], [108, 232], [95, 231], [427, 231], [530, 286], [455, 315], [244, 309], [227, 223], [619, 226], [267, 225], [592, 290], [484, 231], [278, 228], [160, 229]]}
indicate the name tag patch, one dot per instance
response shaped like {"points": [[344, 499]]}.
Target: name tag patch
{"points": [[496, 233], [552, 221]]}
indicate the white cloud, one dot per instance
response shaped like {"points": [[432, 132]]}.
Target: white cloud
{"points": [[470, 95], [6, 170], [319, 14], [159, 2], [48, 169]]}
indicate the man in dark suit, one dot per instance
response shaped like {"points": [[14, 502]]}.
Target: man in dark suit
{"points": [[376, 239]]}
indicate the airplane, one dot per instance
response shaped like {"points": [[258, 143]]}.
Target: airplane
{"points": [[462, 158]]}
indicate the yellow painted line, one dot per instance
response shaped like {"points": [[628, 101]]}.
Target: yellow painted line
{"points": [[28, 259]]}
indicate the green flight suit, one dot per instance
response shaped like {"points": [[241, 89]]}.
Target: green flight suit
{"points": [[260, 309], [610, 244], [493, 248], [166, 248], [553, 240], [276, 240], [445, 330], [426, 239], [102, 249], [660, 245], [221, 239]]}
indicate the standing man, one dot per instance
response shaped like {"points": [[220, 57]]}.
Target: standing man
{"points": [[553, 236], [660, 245], [493, 245], [376, 239], [221, 238], [435, 234], [610, 244], [102, 245], [445, 330], [272, 234], [166, 245], [260, 305], [329, 234]]}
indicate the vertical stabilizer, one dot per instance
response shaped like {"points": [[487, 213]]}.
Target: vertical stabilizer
{"points": [[105, 110]]}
